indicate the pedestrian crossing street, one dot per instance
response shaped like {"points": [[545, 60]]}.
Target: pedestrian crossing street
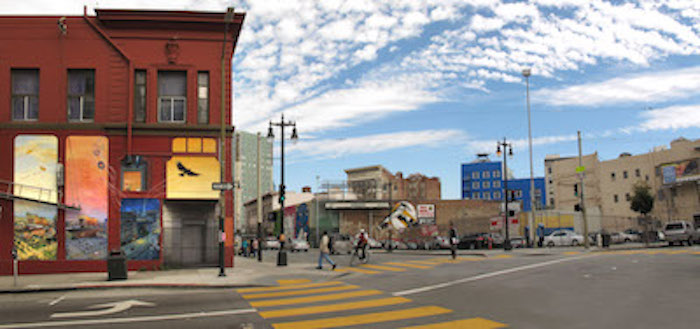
{"points": [[337, 304], [392, 267]]}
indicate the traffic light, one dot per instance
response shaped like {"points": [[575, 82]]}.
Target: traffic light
{"points": [[575, 189], [577, 207], [282, 192]]}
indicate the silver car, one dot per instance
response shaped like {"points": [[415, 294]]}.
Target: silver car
{"points": [[679, 232]]}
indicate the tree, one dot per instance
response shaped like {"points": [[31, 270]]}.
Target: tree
{"points": [[643, 203]]}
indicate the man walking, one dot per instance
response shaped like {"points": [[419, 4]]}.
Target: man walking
{"points": [[453, 241], [324, 250]]}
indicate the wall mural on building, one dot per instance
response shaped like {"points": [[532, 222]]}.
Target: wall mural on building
{"points": [[36, 158], [86, 187], [302, 221], [403, 215], [290, 214], [190, 177], [140, 229]]}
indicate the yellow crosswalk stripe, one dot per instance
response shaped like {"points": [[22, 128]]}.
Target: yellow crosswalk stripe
{"points": [[313, 299], [696, 252], [470, 259], [407, 265], [501, 256], [676, 252], [290, 287], [354, 320], [298, 292], [384, 268], [358, 270], [474, 323], [426, 262], [292, 281], [334, 307], [572, 253]]}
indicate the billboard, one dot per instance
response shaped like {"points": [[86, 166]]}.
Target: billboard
{"points": [[679, 172], [190, 178], [426, 211]]}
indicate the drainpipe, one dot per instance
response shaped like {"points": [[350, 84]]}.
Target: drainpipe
{"points": [[130, 85]]}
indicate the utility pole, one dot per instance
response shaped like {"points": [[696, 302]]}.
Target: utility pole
{"points": [[318, 190], [583, 205], [506, 145], [531, 217], [222, 142], [259, 203]]}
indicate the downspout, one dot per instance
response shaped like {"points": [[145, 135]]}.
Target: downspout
{"points": [[130, 92]]}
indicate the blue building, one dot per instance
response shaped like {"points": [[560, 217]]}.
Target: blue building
{"points": [[483, 180]]}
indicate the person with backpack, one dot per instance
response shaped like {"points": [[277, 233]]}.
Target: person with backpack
{"points": [[453, 241], [324, 250]]}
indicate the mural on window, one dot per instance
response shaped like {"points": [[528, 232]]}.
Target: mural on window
{"points": [[86, 187], [302, 221], [140, 229], [36, 158]]}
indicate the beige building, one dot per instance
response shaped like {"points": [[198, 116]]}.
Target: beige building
{"points": [[377, 183], [672, 173]]}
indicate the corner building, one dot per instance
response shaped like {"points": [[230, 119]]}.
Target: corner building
{"points": [[109, 135]]}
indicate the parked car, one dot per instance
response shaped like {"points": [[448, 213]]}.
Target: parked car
{"points": [[635, 233], [473, 241], [517, 242], [342, 244], [298, 245], [271, 243], [373, 244], [441, 242], [563, 238], [412, 245], [497, 239], [680, 232], [622, 237]]}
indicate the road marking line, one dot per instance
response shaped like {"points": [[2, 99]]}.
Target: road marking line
{"points": [[299, 292], [358, 270], [408, 265], [57, 300], [292, 281], [484, 276], [334, 307], [126, 320], [676, 252], [289, 287], [384, 268], [572, 253], [426, 262], [501, 256], [473, 323], [696, 252], [313, 299], [368, 318]]}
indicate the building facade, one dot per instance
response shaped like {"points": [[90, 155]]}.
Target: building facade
{"points": [[377, 183], [245, 174], [671, 173], [483, 180], [109, 132]]}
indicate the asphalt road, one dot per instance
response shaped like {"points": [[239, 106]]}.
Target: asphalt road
{"points": [[639, 289]]}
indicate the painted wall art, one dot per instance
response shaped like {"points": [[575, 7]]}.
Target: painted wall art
{"points": [[140, 229]]}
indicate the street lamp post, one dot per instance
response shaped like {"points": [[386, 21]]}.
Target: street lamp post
{"points": [[506, 243], [282, 254], [530, 222]]}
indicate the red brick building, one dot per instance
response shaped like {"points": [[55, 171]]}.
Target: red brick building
{"points": [[109, 136]]}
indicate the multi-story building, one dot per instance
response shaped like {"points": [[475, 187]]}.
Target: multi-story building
{"points": [[245, 174], [671, 173], [110, 124], [377, 183], [483, 179]]}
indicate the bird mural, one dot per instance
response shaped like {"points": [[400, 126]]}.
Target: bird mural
{"points": [[184, 171]]}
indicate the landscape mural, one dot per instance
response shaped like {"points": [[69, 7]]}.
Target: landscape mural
{"points": [[86, 187], [140, 229]]}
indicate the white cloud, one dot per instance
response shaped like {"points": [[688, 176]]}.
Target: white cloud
{"points": [[649, 87], [673, 117], [335, 148], [489, 146]]}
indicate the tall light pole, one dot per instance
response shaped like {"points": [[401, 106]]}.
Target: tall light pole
{"points": [[282, 254], [222, 142], [259, 196], [318, 190], [531, 217], [506, 145]]}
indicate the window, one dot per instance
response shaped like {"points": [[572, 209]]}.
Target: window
{"points": [[615, 198], [624, 174], [646, 178], [81, 95], [518, 193], [203, 97], [486, 184], [475, 175], [497, 184], [549, 170], [25, 94], [497, 195], [637, 173], [627, 197], [496, 174], [475, 184], [134, 173], [612, 176], [477, 195], [550, 181], [487, 196], [140, 96], [172, 96], [551, 202], [486, 174]]}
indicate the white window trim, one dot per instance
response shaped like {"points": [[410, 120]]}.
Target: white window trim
{"points": [[172, 108], [25, 108], [82, 108]]}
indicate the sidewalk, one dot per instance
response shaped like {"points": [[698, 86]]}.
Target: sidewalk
{"points": [[247, 273]]}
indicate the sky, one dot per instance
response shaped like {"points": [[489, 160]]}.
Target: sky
{"points": [[422, 86]]}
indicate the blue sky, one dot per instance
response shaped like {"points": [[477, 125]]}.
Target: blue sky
{"points": [[421, 86]]}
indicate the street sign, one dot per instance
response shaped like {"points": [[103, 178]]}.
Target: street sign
{"points": [[580, 169], [223, 186]]}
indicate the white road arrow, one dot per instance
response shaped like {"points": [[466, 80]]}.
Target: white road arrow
{"points": [[108, 308]]}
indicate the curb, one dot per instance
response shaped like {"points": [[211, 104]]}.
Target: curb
{"points": [[130, 286]]}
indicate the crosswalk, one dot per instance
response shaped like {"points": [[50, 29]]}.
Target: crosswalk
{"points": [[654, 252], [423, 264], [337, 304]]}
